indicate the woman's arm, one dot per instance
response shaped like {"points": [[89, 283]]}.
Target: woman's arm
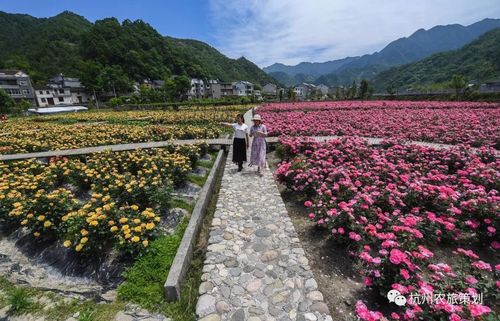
{"points": [[226, 124], [263, 133]]}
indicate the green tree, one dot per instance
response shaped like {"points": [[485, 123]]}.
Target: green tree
{"points": [[182, 85], [90, 77], [391, 90], [7, 104], [280, 94], [114, 79], [458, 83], [363, 89], [291, 94], [353, 91]]}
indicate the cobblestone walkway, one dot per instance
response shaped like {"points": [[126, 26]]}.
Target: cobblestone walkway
{"points": [[255, 267]]}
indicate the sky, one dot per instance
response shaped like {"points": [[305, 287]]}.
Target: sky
{"points": [[286, 31]]}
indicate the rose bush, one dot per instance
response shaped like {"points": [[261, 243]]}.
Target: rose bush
{"points": [[475, 124], [392, 205], [110, 200]]}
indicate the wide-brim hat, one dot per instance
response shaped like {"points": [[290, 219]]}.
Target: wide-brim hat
{"points": [[257, 117]]}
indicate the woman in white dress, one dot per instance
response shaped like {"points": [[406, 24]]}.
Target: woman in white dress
{"points": [[240, 141]]}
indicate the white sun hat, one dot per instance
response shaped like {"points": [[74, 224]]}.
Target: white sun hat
{"points": [[257, 117]]}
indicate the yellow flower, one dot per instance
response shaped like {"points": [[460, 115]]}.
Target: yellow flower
{"points": [[134, 207], [84, 240], [79, 247], [125, 227], [84, 232], [111, 223], [94, 223], [150, 226], [123, 220], [135, 239], [67, 243], [30, 215], [41, 218], [138, 229], [137, 221], [24, 222], [36, 234], [145, 243], [47, 224], [127, 236], [114, 228]]}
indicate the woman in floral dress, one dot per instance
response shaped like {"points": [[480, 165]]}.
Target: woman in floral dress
{"points": [[258, 154]]}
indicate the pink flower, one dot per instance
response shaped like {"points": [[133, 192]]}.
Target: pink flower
{"points": [[477, 310], [482, 265], [341, 230], [368, 281], [308, 203], [455, 317], [312, 215], [425, 252], [495, 245], [404, 273], [470, 279], [396, 256], [365, 314], [354, 236]]}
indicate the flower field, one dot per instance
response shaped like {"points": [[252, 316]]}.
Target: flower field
{"points": [[420, 221], [88, 129], [105, 201], [474, 124]]}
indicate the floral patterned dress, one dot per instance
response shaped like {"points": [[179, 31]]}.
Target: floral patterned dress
{"points": [[258, 153]]}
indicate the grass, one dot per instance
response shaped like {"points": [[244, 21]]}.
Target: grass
{"points": [[198, 180], [180, 203], [88, 310], [20, 299], [144, 280]]}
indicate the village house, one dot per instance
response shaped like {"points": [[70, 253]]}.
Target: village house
{"points": [[17, 84], [270, 90], [197, 89], [322, 89], [243, 88], [304, 90], [61, 90]]}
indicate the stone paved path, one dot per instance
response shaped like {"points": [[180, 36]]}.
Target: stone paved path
{"points": [[255, 268]]}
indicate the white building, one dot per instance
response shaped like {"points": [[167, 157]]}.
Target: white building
{"points": [[49, 96], [61, 90], [303, 90], [197, 89], [242, 88]]}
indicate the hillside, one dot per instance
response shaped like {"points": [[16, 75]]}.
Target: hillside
{"points": [[308, 69], [70, 44], [479, 61], [419, 45]]}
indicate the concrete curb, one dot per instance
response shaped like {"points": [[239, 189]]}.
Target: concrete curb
{"points": [[182, 259]]}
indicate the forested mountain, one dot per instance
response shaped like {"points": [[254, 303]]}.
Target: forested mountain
{"points": [[131, 51], [479, 61], [305, 71], [419, 45]]}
